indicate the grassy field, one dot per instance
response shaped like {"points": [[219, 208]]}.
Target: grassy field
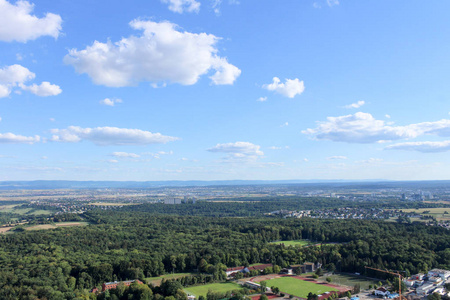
{"points": [[56, 225], [293, 243], [112, 204], [22, 211], [351, 280], [157, 280], [202, 290], [439, 213], [297, 287]]}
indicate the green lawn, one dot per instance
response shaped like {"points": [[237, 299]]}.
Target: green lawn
{"points": [[297, 287], [157, 280], [202, 290], [293, 243]]}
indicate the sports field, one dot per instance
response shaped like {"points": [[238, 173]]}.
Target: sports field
{"points": [[298, 287], [202, 290]]}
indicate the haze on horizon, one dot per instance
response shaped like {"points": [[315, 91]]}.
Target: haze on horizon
{"points": [[224, 90]]}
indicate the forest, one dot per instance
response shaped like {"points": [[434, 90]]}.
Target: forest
{"points": [[65, 263]]}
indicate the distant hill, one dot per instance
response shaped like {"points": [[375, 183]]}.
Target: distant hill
{"points": [[317, 184]]}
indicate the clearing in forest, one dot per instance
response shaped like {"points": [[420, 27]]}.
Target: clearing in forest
{"points": [[293, 243], [156, 281]]}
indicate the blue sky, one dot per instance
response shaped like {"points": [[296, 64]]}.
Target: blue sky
{"points": [[216, 90]]}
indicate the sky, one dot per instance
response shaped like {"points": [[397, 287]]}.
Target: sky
{"points": [[148, 90]]}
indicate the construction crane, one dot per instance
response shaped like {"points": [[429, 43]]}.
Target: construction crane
{"points": [[392, 273]]}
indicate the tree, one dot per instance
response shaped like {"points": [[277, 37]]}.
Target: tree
{"points": [[328, 279], [434, 296], [263, 285], [263, 297], [275, 290]]}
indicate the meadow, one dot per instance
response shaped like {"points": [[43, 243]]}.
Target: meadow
{"points": [[293, 243], [202, 290], [156, 281]]}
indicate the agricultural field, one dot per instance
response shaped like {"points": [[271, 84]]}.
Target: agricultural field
{"points": [[298, 287], [351, 280], [293, 243], [112, 204], [441, 213], [202, 290], [156, 281], [56, 225], [14, 208]]}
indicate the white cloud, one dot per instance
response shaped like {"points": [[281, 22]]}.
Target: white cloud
{"points": [[45, 89], [110, 102], [238, 151], [113, 161], [262, 99], [125, 155], [285, 124], [158, 154], [356, 104], [52, 119], [17, 23], [16, 75], [425, 147], [290, 88], [364, 128], [104, 136], [370, 161], [162, 53], [317, 5], [337, 157], [11, 138], [387, 116], [305, 160], [275, 148], [180, 6], [217, 3], [12, 76], [332, 2]]}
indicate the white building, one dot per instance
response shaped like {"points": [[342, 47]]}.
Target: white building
{"points": [[444, 274]]}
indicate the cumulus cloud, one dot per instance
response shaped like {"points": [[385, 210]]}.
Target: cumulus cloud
{"points": [[425, 147], [332, 2], [180, 6], [356, 104], [11, 138], [161, 53], [337, 157], [157, 155], [290, 88], [125, 155], [110, 102], [262, 99], [104, 136], [364, 128], [241, 151], [17, 23], [45, 89], [16, 76]]}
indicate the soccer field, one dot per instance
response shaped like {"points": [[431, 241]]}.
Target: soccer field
{"points": [[202, 290], [298, 287]]}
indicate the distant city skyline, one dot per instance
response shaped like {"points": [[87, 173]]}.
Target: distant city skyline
{"points": [[224, 90]]}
